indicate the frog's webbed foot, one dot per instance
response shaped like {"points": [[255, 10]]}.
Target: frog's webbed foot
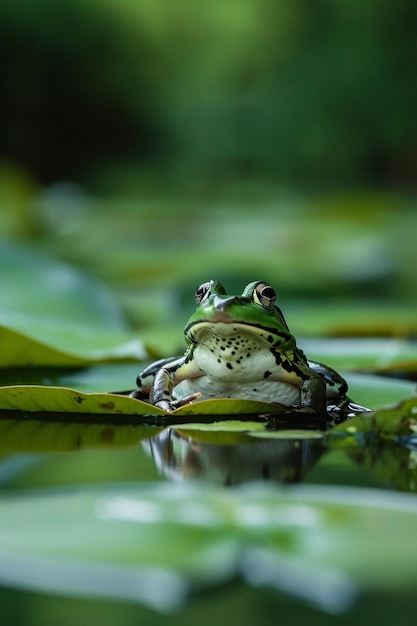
{"points": [[171, 405]]}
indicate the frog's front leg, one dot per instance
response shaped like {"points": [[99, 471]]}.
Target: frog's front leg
{"points": [[166, 379], [313, 395], [162, 388]]}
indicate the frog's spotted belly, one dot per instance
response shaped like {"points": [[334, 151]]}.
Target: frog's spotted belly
{"points": [[235, 357], [265, 390]]}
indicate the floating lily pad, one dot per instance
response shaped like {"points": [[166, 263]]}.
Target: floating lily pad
{"points": [[37, 398], [155, 545], [228, 432], [61, 343], [46, 399], [63, 400], [367, 354], [52, 314], [389, 422]]}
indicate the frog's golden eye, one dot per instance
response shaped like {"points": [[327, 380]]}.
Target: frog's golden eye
{"points": [[264, 295], [203, 291]]}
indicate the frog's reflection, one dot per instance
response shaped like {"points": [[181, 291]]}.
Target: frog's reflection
{"points": [[178, 456]]}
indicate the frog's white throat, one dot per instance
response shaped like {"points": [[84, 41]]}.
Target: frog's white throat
{"points": [[236, 360], [234, 351], [218, 333]]}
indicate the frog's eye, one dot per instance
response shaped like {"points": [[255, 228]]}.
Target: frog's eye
{"points": [[203, 291], [264, 295], [206, 289]]}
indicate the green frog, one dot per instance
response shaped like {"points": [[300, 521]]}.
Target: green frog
{"points": [[241, 347]]}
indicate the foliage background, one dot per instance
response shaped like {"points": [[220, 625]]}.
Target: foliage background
{"points": [[155, 144]]}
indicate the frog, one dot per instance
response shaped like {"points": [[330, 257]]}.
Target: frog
{"points": [[240, 346]]}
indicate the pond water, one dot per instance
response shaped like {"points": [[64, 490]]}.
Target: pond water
{"points": [[43, 462], [36, 453]]}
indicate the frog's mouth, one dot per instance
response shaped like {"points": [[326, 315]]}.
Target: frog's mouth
{"points": [[230, 333]]}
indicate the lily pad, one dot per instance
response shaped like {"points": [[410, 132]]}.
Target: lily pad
{"points": [[63, 344], [230, 432], [156, 545], [374, 354], [36, 398], [52, 314], [389, 422], [60, 399], [63, 400]]}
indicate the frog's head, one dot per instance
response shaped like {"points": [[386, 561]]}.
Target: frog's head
{"points": [[253, 312]]}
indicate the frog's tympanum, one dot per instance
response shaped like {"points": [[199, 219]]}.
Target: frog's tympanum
{"points": [[241, 347]]}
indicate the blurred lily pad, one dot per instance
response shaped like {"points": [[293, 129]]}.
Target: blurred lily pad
{"points": [[388, 422], [156, 545], [52, 314], [58, 343], [383, 444], [370, 354]]}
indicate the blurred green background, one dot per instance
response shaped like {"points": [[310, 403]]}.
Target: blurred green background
{"points": [[304, 92], [159, 144]]}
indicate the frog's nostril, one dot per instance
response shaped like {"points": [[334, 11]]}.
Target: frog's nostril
{"points": [[222, 304]]}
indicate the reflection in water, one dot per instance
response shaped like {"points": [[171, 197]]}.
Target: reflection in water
{"points": [[394, 463], [282, 460], [279, 453]]}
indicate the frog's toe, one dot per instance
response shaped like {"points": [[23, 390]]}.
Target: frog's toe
{"points": [[175, 404], [166, 405]]}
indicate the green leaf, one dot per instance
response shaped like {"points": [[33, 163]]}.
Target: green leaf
{"points": [[59, 343], [389, 422], [230, 432], [60, 399], [383, 443], [51, 314], [43, 287], [369, 354], [377, 391], [157, 544], [64, 400]]}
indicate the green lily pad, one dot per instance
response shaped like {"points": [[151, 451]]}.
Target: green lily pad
{"points": [[377, 391], [378, 355], [383, 443], [52, 314], [60, 399], [155, 545], [63, 400], [288, 433], [59, 343], [388, 422], [230, 432], [37, 398]]}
